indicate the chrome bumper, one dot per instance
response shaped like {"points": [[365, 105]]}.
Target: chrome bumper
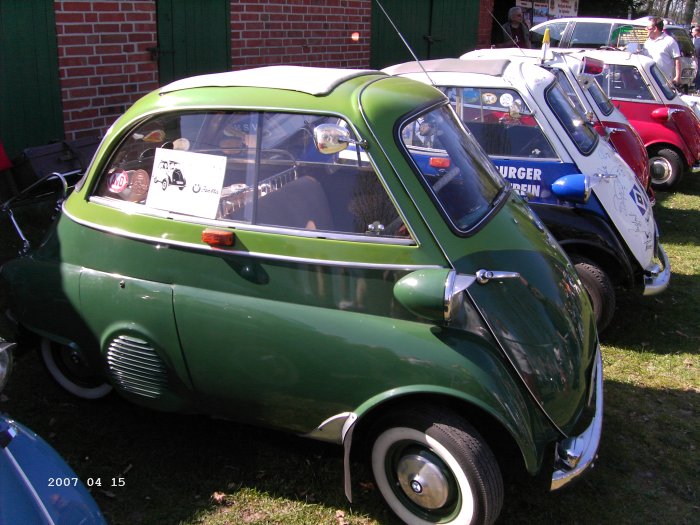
{"points": [[657, 278], [575, 455]]}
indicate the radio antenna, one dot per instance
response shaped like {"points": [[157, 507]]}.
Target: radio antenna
{"points": [[410, 50]]}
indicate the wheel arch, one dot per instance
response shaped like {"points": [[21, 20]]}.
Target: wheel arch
{"points": [[619, 270], [505, 425], [589, 236]]}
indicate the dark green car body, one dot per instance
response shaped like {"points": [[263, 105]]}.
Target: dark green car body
{"points": [[311, 330]]}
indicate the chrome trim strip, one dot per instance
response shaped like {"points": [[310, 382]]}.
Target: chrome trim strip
{"points": [[658, 279], [576, 454], [138, 209], [166, 243], [28, 485]]}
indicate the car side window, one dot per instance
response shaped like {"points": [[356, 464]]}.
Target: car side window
{"points": [[590, 35], [556, 33], [249, 168], [501, 122], [624, 82], [623, 34]]}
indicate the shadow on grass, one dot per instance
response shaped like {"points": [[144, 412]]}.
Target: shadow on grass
{"points": [[664, 324], [172, 464]]}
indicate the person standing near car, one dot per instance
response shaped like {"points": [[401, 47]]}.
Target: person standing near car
{"points": [[663, 49], [695, 33], [515, 32]]}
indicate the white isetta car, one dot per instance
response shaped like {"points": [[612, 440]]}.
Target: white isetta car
{"points": [[581, 188], [576, 76]]}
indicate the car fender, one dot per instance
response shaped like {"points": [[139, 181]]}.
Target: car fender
{"points": [[503, 400], [584, 232]]}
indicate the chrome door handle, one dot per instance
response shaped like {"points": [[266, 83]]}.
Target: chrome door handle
{"points": [[484, 276]]}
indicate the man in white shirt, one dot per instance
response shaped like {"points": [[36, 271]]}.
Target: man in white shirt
{"points": [[663, 49]]}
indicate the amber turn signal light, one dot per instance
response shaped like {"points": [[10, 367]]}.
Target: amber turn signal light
{"points": [[217, 237], [439, 162]]}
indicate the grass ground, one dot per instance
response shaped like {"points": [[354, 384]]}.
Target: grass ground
{"points": [[194, 470]]}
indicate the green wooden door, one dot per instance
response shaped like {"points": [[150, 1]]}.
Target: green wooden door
{"points": [[433, 29], [194, 38], [30, 92]]}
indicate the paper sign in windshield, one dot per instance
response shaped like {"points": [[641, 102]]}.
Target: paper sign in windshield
{"points": [[187, 183]]}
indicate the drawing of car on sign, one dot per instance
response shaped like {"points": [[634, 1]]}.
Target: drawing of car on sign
{"points": [[172, 175]]}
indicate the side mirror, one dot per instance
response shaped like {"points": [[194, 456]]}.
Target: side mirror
{"points": [[574, 188], [332, 138], [632, 47], [434, 294]]}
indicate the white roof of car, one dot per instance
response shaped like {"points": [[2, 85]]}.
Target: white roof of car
{"points": [[618, 57], [478, 72], [451, 65], [637, 22], [311, 80]]}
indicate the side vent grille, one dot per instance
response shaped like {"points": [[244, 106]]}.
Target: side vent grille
{"points": [[135, 367]]}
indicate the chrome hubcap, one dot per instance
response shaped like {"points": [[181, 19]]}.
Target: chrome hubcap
{"points": [[423, 481], [660, 170]]}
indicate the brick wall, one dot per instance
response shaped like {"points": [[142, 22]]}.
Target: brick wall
{"points": [[483, 38], [105, 65], [102, 58], [301, 32]]}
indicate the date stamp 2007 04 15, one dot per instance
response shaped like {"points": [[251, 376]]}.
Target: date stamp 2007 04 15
{"points": [[89, 482]]}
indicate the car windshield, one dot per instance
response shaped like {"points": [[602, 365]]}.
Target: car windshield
{"points": [[568, 87], [663, 82], [599, 97], [580, 131], [501, 122], [460, 177], [624, 82]]}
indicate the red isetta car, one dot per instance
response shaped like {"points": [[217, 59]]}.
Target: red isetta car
{"points": [[669, 128]]}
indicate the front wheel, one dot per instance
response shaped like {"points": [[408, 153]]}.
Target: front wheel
{"points": [[599, 288], [431, 467], [666, 167], [67, 366]]}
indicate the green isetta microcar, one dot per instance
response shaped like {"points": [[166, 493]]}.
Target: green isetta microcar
{"points": [[278, 246]]}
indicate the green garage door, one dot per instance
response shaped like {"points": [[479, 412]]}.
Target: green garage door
{"points": [[433, 28], [194, 38], [30, 93]]}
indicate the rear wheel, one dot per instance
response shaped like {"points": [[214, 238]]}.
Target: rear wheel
{"points": [[599, 288], [666, 168], [67, 366], [431, 466]]}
